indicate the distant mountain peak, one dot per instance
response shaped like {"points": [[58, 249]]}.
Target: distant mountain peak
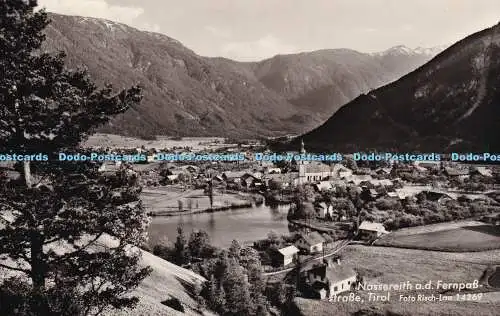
{"points": [[452, 97], [405, 50]]}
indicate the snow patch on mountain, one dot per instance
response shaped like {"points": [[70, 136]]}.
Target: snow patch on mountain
{"points": [[404, 50]]}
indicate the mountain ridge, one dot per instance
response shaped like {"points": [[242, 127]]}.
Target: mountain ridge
{"points": [[450, 103], [191, 95]]}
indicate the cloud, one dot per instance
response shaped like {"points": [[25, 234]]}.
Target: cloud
{"points": [[368, 30], [407, 28], [99, 9], [264, 47], [218, 32]]}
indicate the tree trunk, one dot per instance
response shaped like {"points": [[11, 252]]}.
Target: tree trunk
{"points": [[27, 173], [38, 270]]}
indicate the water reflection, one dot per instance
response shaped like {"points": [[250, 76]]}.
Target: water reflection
{"points": [[244, 225]]}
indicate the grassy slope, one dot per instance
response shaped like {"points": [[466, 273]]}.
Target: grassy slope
{"points": [[167, 280], [456, 237], [382, 265], [461, 239]]}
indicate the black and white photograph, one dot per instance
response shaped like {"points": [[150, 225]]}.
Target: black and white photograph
{"points": [[250, 157]]}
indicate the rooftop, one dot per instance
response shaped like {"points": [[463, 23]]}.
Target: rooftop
{"points": [[455, 172], [234, 174], [484, 171], [317, 168], [313, 238], [333, 273], [289, 251], [370, 226]]}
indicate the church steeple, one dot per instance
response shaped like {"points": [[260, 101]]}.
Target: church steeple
{"points": [[302, 148]]}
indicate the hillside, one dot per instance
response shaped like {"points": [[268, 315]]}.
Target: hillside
{"points": [[449, 104], [185, 94], [324, 80], [166, 281], [190, 95]]}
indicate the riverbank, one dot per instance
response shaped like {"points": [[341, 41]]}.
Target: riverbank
{"points": [[175, 201], [276, 199], [337, 230], [199, 211]]}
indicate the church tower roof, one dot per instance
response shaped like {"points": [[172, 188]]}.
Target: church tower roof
{"points": [[302, 148]]}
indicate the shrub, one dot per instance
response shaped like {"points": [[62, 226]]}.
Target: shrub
{"points": [[18, 299], [174, 303]]}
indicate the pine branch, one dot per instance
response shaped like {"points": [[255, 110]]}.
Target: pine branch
{"points": [[74, 253], [15, 269]]}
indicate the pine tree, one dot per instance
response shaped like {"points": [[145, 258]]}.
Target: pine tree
{"points": [[199, 244], [220, 300], [181, 247], [60, 211], [238, 298], [235, 250]]}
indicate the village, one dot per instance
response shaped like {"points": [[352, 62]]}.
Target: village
{"points": [[331, 206], [336, 214]]}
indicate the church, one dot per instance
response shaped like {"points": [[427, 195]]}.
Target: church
{"points": [[314, 171]]}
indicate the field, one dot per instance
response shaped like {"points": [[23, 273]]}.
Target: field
{"points": [[383, 265], [495, 278], [308, 307], [164, 200], [465, 237], [117, 141]]}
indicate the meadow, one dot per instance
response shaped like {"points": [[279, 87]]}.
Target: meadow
{"points": [[387, 265], [468, 237]]}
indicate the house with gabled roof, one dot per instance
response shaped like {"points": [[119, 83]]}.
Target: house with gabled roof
{"points": [[233, 176], [371, 231], [323, 186], [287, 255], [330, 278], [435, 196], [383, 171], [482, 171], [456, 173], [310, 243], [324, 209]]}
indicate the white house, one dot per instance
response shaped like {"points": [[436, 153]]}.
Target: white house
{"points": [[110, 166], [358, 178], [340, 171], [323, 186], [172, 178], [369, 230], [383, 171], [233, 176], [324, 209], [288, 254], [428, 164], [310, 243], [456, 173], [330, 279], [273, 170], [483, 171]]}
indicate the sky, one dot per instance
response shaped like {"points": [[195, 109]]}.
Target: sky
{"points": [[249, 30]]}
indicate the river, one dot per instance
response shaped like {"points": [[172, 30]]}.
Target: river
{"points": [[245, 225]]}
